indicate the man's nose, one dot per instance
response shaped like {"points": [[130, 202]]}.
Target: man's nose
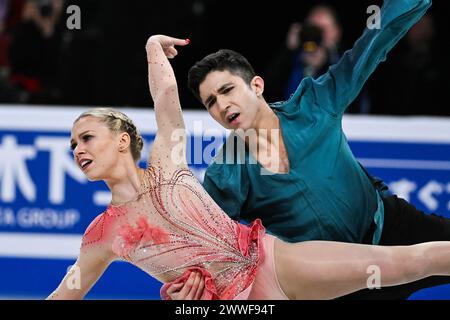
{"points": [[223, 104]]}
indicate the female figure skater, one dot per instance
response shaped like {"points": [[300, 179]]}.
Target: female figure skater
{"points": [[162, 220]]}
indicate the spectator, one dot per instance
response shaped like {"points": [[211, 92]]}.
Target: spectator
{"points": [[310, 49], [412, 82], [10, 11], [34, 51]]}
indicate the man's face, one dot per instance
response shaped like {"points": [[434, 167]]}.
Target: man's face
{"points": [[95, 147], [229, 100]]}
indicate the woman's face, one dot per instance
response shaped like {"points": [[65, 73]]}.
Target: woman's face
{"points": [[95, 147]]}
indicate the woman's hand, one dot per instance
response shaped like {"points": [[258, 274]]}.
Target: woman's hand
{"points": [[167, 43]]}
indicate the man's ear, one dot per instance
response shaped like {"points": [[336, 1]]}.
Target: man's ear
{"points": [[257, 85]]}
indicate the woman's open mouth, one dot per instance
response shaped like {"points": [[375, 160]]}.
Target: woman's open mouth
{"points": [[85, 164]]}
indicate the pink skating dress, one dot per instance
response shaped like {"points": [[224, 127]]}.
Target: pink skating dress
{"points": [[174, 227]]}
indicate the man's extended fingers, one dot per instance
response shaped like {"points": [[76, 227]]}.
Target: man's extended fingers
{"points": [[187, 287], [201, 287], [195, 286], [174, 288]]}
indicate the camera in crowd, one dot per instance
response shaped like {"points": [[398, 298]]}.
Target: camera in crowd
{"points": [[311, 38], [45, 7]]}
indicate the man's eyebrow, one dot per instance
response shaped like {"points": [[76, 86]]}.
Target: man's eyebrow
{"points": [[208, 100], [224, 87], [220, 90], [73, 141]]}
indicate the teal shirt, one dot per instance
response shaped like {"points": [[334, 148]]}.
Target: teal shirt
{"points": [[326, 195]]}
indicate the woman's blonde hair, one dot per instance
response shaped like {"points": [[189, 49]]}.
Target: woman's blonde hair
{"points": [[118, 122]]}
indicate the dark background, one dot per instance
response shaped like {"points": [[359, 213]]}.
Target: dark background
{"points": [[104, 63]]}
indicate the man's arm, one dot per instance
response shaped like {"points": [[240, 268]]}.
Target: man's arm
{"points": [[224, 199], [337, 88], [228, 185]]}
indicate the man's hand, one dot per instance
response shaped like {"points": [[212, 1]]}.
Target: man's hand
{"points": [[167, 43], [293, 36], [192, 289]]}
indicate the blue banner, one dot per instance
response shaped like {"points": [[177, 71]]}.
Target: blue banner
{"points": [[46, 202]]}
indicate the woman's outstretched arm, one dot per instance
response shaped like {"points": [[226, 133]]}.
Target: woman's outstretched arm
{"points": [[162, 81], [95, 256], [164, 92], [88, 268], [327, 270]]}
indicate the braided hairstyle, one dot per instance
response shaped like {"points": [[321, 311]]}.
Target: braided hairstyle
{"points": [[118, 122]]}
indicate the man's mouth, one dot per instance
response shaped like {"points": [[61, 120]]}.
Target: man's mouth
{"points": [[231, 118]]}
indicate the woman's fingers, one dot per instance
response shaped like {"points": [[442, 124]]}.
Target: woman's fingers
{"points": [[180, 42], [171, 52], [167, 42]]}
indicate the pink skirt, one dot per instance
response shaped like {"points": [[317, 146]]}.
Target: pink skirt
{"points": [[266, 285]]}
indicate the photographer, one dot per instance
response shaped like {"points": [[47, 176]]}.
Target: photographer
{"points": [[309, 50], [34, 51]]}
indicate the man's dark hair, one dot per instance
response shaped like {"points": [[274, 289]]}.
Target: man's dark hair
{"points": [[222, 60]]}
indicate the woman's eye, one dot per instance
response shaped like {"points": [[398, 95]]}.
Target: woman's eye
{"points": [[85, 138]]}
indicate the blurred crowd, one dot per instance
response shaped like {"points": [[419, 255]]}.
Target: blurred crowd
{"points": [[42, 61]]}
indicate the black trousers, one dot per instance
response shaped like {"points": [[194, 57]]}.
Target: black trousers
{"points": [[405, 225]]}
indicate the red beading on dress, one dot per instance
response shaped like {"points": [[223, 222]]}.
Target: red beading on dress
{"points": [[174, 227]]}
